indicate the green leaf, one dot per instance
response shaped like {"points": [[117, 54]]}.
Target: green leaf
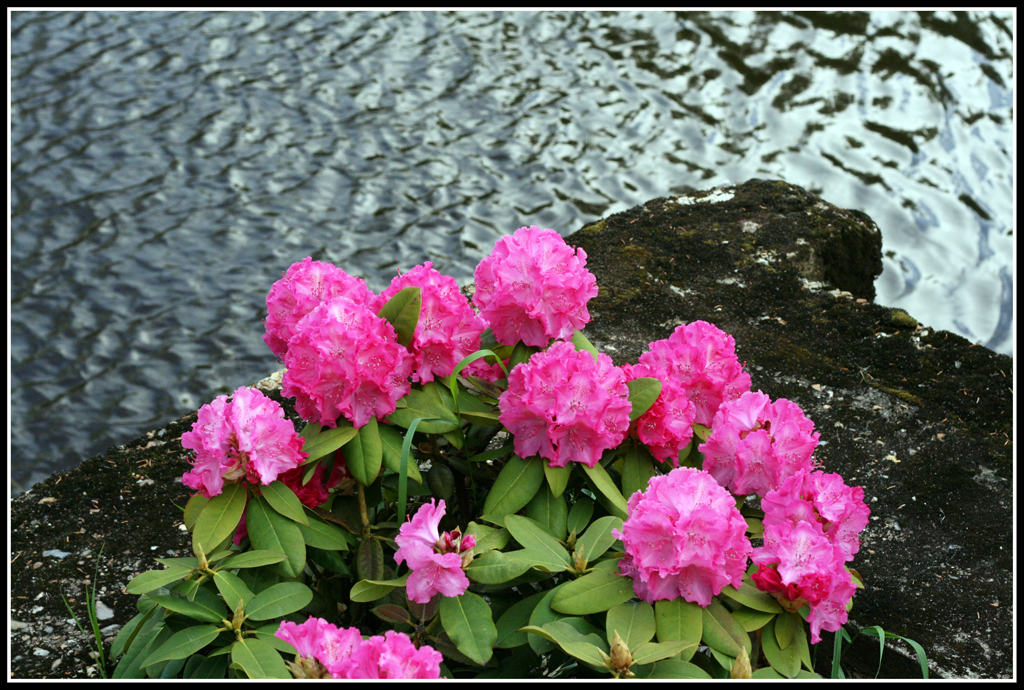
{"points": [[319, 441], [155, 579], [220, 517], [722, 632], [533, 537], [598, 537], [583, 344], [391, 447], [541, 615], [370, 560], [785, 629], [593, 593], [194, 506], [258, 659], [467, 620], [200, 610], [496, 567], [514, 618], [679, 621], [515, 485], [148, 641], [637, 468], [324, 535], [542, 560], [643, 392], [634, 621], [650, 652], [282, 499], [253, 559], [570, 641], [372, 590], [549, 512], [750, 619], [675, 668], [183, 644], [783, 661], [753, 598], [403, 312], [579, 515], [558, 478], [364, 454], [232, 589], [426, 403], [392, 613], [604, 484], [278, 600], [269, 531], [487, 538]]}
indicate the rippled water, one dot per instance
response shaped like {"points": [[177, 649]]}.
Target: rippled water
{"points": [[167, 167]]}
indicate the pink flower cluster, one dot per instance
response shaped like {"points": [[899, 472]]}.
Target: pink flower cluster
{"points": [[812, 522], [701, 358], [305, 286], [755, 444], [534, 287], [448, 328], [683, 538], [343, 653], [565, 406], [436, 559], [667, 427], [246, 438], [345, 360]]}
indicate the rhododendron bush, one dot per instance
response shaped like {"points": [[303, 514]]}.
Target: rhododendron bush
{"points": [[476, 492]]}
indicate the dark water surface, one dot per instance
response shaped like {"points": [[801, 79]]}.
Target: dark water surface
{"points": [[168, 167]]}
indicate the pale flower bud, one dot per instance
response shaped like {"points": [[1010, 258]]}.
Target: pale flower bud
{"points": [[741, 667], [621, 659]]}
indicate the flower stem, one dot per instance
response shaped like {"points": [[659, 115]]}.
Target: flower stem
{"points": [[364, 517]]}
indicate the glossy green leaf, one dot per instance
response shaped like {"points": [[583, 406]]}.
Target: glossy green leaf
{"points": [[364, 454], [200, 610], [183, 644], [392, 613], [558, 478], [604, 484], [542, 560], [595, 592], [542, 614], [325, 535], [487, 538], [650, 652], [643, 392], [679, 620], [514, 618], [467, 620], [232, 589], [403, 312], [193, 508], [633, 621], [391, 438], [784, 661], [320, 441], [583, 344], [269, 531], [515, 485], [496, 567], [278, 600], [786, 626], [282, 499], [722, 632], [751, 619], [253, 559], [549, 512], [597, 538], [220, 517], [675, 668], [258, 659], [579, 515], [753, 598], [427, 403], [155, 579], [372, 590], [637, 468], [571, 642], [534, 537]]}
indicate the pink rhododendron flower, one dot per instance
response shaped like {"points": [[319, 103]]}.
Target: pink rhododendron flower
{"points": [[305, 286], [701, 358], [683, 538], [345, 360], [448, 328], [565, 406], [534, 287], [436, 560], [325, 650], [246, 438], [667, 427], [756, 444]]}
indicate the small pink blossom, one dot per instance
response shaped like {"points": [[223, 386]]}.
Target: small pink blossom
{"points": [[436, 560], [667, 427], [344, 360], [305, 286], [246, 438], [534, 287], [701, 358], [684, 538], [756, 444], [566, 406], [448, 329]]}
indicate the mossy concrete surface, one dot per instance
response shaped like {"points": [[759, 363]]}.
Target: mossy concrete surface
{"points": [[921, 419]]}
